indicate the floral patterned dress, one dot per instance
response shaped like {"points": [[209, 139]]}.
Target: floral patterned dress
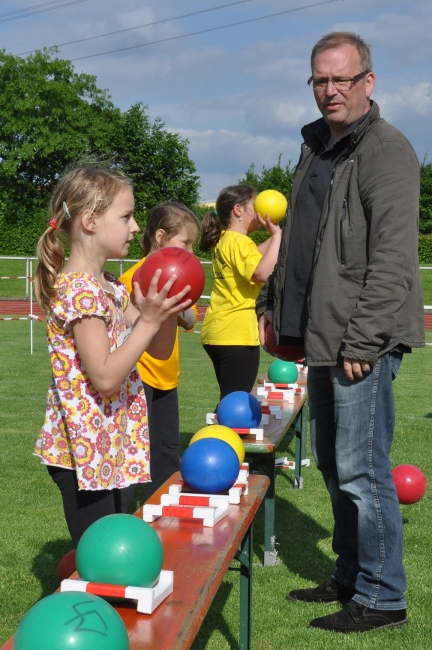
{"points": [[105, 439]]}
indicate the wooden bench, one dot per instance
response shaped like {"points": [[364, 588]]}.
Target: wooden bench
{"points": [[261, 454], [199, 557]]}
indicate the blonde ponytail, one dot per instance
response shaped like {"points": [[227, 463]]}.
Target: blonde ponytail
{"points": [[51, 256]]}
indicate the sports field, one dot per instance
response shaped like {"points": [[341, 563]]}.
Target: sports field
{"points": [[33, 536]]}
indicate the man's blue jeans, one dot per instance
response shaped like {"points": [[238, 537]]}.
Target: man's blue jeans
{"points": [[352, 427]]}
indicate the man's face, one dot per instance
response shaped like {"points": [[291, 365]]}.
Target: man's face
{"points": [[341, 108]]}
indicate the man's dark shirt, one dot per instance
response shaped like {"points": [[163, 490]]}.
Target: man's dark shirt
{"points": [[310, 201]]}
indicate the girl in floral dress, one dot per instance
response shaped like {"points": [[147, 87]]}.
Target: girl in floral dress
{"points": [[94, 440]]}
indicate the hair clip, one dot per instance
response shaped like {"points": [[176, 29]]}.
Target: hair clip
{"points": [[215, 212], [53, 224], [66, 210]]}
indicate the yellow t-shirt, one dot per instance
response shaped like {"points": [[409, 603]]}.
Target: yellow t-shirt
{"points": [[155, 372], [230, 318]]}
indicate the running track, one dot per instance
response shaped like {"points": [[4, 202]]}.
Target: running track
{"points": [[22, 308]]}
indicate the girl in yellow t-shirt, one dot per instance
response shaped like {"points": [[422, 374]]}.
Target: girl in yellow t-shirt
{"points": [[168, 224], [240, 268]]}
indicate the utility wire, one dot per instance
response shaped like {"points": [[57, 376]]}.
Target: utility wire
{"points": [[205, 31], [24, 9], [157, 22], [37, 9]]}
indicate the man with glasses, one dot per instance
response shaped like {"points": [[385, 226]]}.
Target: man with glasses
{"points": [[347, 283]]}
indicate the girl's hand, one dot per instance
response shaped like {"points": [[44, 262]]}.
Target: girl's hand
{"points": [[272, 228], [157, 307]]}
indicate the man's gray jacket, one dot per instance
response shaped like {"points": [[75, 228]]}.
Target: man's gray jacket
{"points": [[365, 294]]}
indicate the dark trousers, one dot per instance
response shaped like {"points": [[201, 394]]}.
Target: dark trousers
{"points": [[236, 366], [84, 507], [164, 431]]}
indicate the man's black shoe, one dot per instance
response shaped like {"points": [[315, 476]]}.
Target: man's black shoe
{"points": [[358, 618], [330, 591]]}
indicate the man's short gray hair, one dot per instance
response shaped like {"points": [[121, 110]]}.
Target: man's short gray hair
{"points": [[337, 39]]}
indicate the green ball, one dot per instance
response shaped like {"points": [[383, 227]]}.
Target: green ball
{"points": [[71, 620], [120, 550], [283, 372]]}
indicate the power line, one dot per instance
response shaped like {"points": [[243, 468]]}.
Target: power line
{"points": [[157, 22], [205, 31], [37, 9], [24, 9]]}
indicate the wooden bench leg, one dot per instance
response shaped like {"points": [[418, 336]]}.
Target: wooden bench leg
{"points": [[267, 464], [244, 556], [300, 430], [270, 552]]}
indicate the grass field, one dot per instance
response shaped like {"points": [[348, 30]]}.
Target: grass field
{"points": [[33, 535]]}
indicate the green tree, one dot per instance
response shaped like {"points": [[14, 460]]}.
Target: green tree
{"points": [[49, 117], [426, 197], [157, 161], [274, 178], [52, 117]]}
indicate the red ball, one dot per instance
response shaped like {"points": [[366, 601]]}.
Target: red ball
{"points": [[284, 352], [135, 277], [173, 261], [66, 566], [410, 483]]}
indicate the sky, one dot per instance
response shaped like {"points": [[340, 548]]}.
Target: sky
{"points": [[238, 94]]}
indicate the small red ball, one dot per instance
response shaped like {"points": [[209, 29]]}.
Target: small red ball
{"points": [[410, 483], [173, 261], [284, 352], [66, 565]]}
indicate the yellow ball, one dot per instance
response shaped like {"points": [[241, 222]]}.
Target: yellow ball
{"points": [[222, 433], [273, 203]]}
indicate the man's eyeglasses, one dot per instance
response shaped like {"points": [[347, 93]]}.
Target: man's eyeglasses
{"points": [[340, 83]]}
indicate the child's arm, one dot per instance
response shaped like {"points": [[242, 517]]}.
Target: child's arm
{"points": [[155, 315], [269, 250]]}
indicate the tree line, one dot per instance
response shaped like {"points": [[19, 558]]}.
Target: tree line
{"points": [[52, 118]]}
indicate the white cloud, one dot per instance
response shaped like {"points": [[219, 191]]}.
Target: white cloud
{"points": [[404, 37], [211, 185], [279, 115], [226, 155], [240, 95], [406, 102], [208, 147]]}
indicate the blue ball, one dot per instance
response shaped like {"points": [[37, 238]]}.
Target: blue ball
{"points": [[210, 466], [239, 410]]}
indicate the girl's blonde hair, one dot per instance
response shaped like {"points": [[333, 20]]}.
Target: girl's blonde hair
{"points": [[83, 188], [171, 217], [218, 220]]}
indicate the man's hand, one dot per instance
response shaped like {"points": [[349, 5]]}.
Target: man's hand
{"points": [[354, 368], [266, 318]]}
